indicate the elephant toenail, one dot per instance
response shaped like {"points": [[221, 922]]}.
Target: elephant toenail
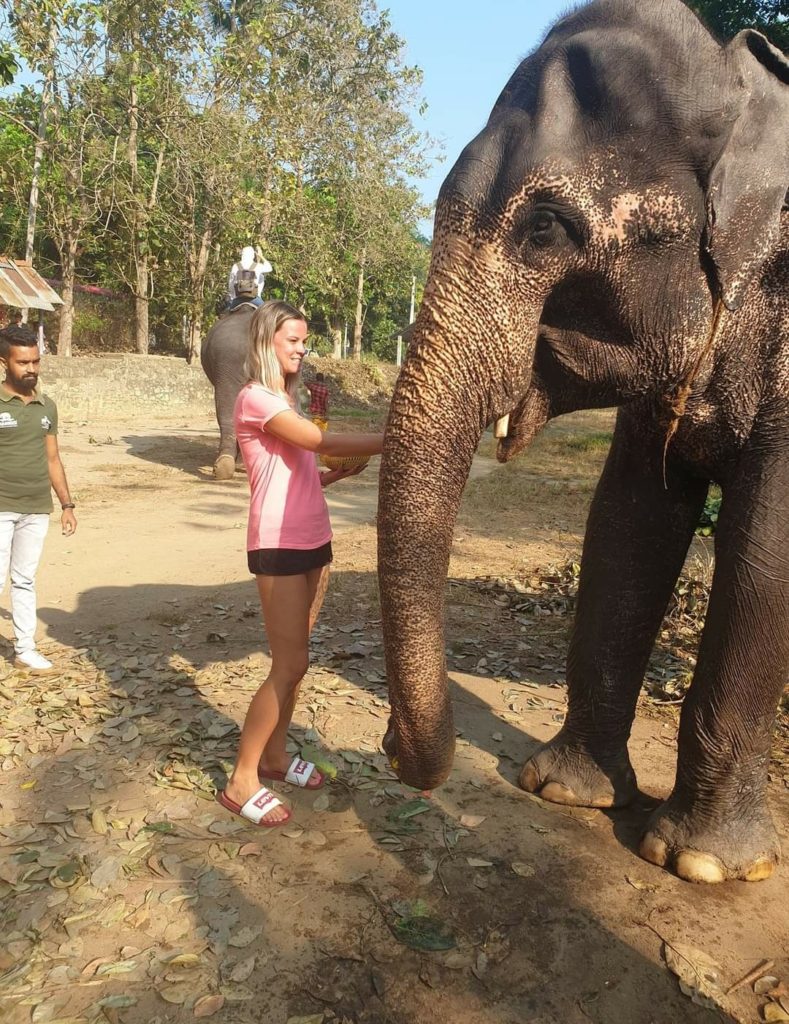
{"points": [[556, 793], [654, 850], [529, 778], [759, 870], [694, 866]]}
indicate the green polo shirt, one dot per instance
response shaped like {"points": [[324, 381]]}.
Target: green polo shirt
{"points": [[24, 471]]}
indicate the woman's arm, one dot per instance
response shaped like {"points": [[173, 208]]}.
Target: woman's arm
{"points": [[289, 426]]}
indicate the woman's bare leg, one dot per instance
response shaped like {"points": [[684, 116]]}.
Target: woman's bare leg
{"points": [[275, 757], [286, 602], [317, 582]]}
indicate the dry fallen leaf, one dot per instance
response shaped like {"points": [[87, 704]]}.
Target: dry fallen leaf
{"points": [[774, 1012], [90, 968], [244, 936], [207, 1006], [44, 1011], [699, 975], [242, 970], [183, 960], [524, 870], [177, 993], [98, 822], [250, 850], [638, 884]]}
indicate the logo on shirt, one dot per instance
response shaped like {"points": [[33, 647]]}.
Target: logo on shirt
{"points": [[46, 422], [7, 420]]}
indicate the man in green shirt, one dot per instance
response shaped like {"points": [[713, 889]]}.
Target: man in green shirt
{"points": [[30, 468]]}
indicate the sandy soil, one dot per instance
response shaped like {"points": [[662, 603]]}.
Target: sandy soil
{"points": [[129, 895]]}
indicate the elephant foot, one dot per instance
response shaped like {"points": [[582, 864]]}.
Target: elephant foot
{"points": [[224, 467], [564, 772], [701, 848]]}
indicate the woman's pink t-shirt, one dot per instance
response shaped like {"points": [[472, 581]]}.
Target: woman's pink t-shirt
{"points": [[286, 508]]}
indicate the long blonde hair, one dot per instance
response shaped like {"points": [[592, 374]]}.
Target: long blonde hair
{"points": [[262, 365]]}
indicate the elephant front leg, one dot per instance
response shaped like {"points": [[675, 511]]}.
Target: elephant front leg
{"points": [[716, 824], [636, 540], [225, 394]]}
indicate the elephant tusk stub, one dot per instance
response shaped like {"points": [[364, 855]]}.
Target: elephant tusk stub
{"points": [[502, 426]]}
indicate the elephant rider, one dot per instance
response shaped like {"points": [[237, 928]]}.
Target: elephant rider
{"points": [[250, 262], [246, 290]]}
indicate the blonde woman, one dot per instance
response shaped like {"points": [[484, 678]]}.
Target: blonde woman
{"points": [[289, 549]]}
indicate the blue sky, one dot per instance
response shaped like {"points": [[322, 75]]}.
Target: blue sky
{"points": [[467, 51]]}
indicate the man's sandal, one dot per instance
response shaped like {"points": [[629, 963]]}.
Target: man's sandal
{"points": [[256, 808], [301, 773]]}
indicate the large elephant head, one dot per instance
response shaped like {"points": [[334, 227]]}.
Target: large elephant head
{"points": [[627, 186]]}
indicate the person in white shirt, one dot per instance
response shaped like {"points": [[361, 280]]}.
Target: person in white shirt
{"points": [[248, 261]]}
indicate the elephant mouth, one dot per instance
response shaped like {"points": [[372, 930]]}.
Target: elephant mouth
{"points": [[517, 429]]}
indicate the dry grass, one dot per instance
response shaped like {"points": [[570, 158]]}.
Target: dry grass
{"points": [[563, 464]]}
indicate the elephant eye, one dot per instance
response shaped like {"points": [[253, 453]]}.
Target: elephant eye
{"points": [[543, 228]]}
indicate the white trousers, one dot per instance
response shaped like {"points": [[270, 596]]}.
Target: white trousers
{"points": [[21, 543]]}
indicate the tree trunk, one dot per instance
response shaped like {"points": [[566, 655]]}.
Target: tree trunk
{"points": [[68, 261], [194, 338], [38, 156], [143, 259], [198, 265], [357, 323], [140, 261], [141, 307], [335, 330]]}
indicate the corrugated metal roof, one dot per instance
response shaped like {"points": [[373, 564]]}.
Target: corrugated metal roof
{"points": [[22, 286]]}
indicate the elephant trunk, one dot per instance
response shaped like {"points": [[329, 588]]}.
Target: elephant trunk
{"points": [[459, 376], [425, 464]]}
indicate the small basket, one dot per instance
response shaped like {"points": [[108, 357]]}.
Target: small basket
{"points": [[343, 461]]}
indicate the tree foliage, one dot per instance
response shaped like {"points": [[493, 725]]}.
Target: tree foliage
{"points": [[728, 17], [181, 132]]}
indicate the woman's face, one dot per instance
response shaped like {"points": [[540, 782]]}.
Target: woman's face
{"points": [[289, 347]]}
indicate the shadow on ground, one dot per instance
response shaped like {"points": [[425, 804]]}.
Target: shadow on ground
{"points": [[193, 455], [113, 849]]}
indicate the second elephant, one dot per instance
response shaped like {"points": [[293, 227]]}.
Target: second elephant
{"points": [[223, 354]]}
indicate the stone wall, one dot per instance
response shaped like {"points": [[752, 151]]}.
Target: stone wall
{"points": [[90, 388]]}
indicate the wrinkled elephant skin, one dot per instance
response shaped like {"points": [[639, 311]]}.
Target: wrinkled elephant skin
{"points": [[616, 235], [222, 356]]}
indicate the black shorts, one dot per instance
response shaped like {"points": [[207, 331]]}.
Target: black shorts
{"points": [[288, 561]]}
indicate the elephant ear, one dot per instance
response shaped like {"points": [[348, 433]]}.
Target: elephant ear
{"points": [[748, 183]]}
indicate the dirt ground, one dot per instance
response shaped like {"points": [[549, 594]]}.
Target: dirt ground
{"points": [[128, 895]]}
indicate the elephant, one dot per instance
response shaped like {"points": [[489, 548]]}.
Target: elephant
{"points": [[616, 235], [222, 356]]}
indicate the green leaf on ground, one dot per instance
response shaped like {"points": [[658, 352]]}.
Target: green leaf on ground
{"points": [[416, 928], [409, 809], [319, 759]]}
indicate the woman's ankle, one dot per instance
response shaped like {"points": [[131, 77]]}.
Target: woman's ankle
{"points": [[274, 754], [243, 780]]}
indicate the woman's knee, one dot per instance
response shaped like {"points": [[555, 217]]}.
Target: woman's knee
{"points": [[293, 667]]}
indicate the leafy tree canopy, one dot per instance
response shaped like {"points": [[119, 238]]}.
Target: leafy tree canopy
{"points": [[728, 17]]}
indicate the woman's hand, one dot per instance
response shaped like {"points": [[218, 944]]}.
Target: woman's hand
{"points": [[331, 476]]}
